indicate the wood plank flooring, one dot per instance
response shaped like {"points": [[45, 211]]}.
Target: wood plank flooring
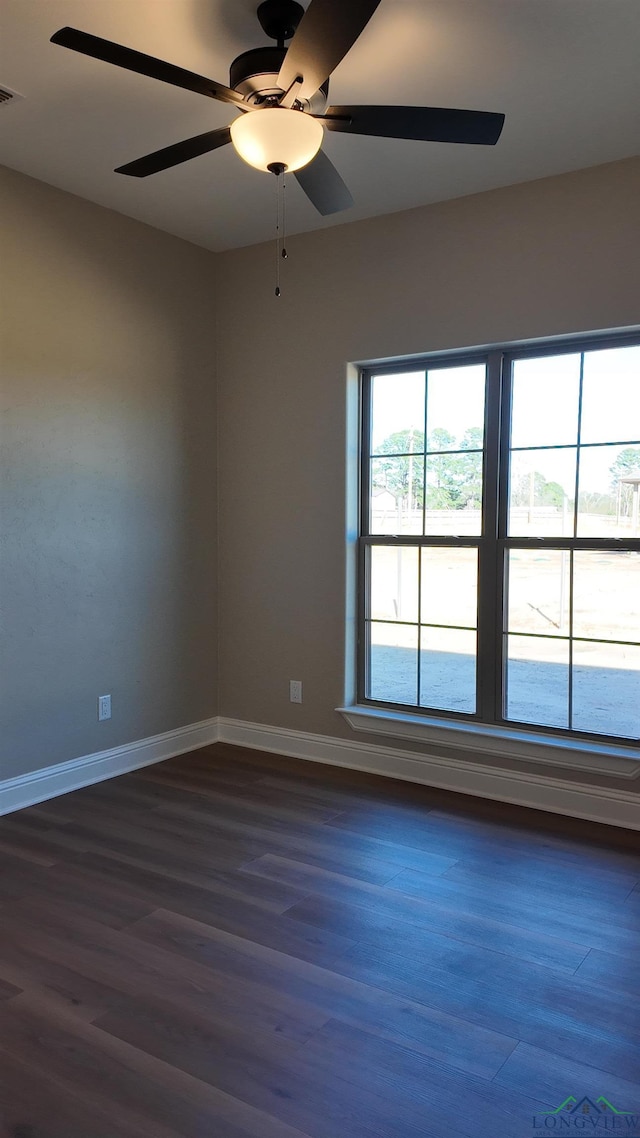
{"points": [[235, 945]]}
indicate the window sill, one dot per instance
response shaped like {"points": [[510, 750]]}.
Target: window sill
{"points": [[498, 742]]}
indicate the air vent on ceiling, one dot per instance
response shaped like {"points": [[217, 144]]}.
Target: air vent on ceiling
{"points": [[8, 96]]}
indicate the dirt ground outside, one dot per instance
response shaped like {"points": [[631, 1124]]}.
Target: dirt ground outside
{"points": [[442, 591]]}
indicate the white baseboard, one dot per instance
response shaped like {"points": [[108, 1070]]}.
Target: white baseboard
{"points": [[541, 792], [28, 789]]}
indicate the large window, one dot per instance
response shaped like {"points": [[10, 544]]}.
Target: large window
{"points": [[500, 538]]}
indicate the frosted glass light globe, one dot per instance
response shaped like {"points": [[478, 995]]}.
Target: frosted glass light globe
{"points": [[276, 136]]}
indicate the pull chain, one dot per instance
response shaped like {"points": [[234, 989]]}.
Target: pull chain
{"points": [[284, 253], [277, 250], [278, 169], [280, 220]]}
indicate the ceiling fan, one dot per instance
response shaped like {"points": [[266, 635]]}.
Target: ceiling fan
{"points": [[282, 94]]}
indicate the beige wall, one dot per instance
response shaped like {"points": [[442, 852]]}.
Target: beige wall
{"points": [[552, 257], [108, 508], [108, 494]]}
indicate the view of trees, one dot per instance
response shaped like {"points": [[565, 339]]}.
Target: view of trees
{"points": [[454, 474], [627, 465], [535, 490]]}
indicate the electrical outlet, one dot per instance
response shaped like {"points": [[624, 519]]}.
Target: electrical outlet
{"points": [[104, 707], [295, 691]]}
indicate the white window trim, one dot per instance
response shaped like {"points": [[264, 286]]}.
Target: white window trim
{"points": [[500, 742]]}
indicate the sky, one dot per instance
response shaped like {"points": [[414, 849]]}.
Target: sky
{"points": [[545, 409]]}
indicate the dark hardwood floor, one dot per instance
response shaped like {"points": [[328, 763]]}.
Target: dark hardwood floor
{"points": [[235, 945]]}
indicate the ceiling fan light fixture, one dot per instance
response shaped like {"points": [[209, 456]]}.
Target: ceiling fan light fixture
{"points": [[275, 137]]}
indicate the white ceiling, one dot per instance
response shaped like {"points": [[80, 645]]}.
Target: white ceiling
{"points": [[565, 72]]}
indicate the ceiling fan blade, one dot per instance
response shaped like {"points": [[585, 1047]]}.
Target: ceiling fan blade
{"points": [[323, 185], [326, 32], [179, 152], [145, 65], [427, 124]]}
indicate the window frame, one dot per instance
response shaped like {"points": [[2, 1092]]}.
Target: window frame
{"points": [[493, 543]]}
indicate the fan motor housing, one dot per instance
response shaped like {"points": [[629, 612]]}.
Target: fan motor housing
{"points": [[254, 75]]}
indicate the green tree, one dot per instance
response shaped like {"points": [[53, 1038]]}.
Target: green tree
{"points": [[440, 439], [472, 439], [454, 480], [470, 466], [395, 473], [627, 465], [544, 493], [551, 493]]}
